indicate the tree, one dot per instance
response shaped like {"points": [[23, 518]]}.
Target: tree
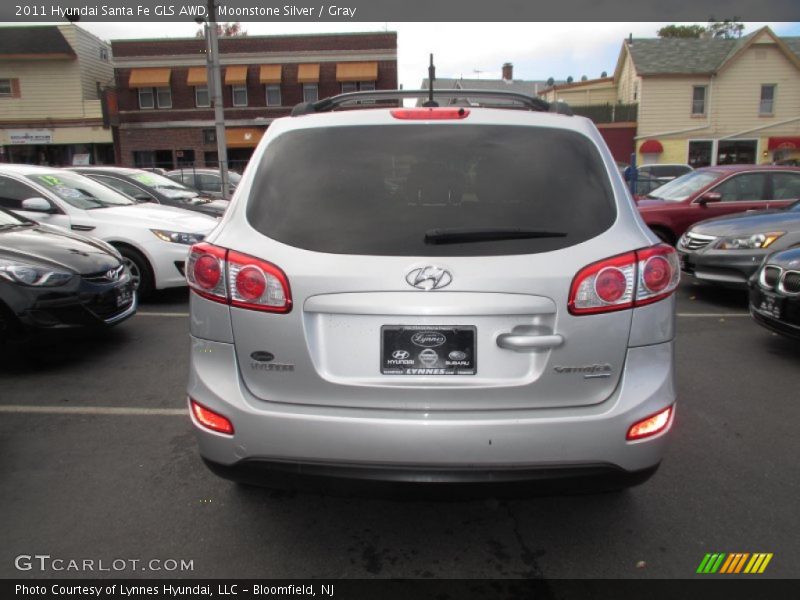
{"points": [[584, 78], [225, 30], [550, 82], [727, 29], [570, 79], [603, 74], [681, 31]]}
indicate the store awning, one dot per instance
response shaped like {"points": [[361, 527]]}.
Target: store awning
{"points": [[243, 137], [784, 143], [236, 75], [357, 71], [141, 78], [308, 73], [269, 74], [197, 76], [651, 147]]}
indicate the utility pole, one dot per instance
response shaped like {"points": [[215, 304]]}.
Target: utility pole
{"points": [[215, 91]]}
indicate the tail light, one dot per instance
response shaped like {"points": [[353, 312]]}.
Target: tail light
{"points": [[209, 419], [625, 281], [430, 114], [237, 279], [650, 426]]}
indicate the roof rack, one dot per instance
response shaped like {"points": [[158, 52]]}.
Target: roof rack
{"points": [[527, 102]]}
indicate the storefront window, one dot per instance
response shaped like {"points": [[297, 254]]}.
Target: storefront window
{"points": [[700, 153], [736, 152]]}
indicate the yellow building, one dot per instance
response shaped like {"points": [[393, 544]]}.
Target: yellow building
{"points": [[51, 82], [711, 101]]}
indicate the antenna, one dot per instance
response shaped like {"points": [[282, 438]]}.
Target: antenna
{"points": [[431, 76]]}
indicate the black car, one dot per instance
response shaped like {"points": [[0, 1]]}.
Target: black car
{"points": [[147, 186], [53, 279], [775, 293]]}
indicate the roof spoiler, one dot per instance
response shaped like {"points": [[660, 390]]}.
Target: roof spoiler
{"points": [[522, 100]]}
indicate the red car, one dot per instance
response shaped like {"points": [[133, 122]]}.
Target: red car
{"points": [[715, 191]]}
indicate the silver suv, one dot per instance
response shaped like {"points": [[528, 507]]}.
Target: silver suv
{"points": [[432, 295]]}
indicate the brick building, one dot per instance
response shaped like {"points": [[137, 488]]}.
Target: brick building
{"points": [[165, 117]]}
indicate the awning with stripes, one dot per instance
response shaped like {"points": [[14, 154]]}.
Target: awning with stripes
{"points": [[308, 73], [153, 77], [197, 76], [357, 71], [269, 74], [236, 75]]}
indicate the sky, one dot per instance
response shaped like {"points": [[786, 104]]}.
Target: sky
{"points": [[470, 50]]}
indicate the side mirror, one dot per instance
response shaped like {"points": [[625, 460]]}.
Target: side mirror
{"points": [[37, 205], [709, 197]]}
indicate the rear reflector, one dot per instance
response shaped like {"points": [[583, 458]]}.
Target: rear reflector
{"points": [[430, 114], [650, 426], [211, 420], [625, 281]]}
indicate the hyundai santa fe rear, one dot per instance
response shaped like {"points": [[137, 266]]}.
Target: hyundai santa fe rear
{"points": [[432, 295]]}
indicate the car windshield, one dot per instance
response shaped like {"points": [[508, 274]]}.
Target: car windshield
{"points": [[163, 185], [432, 190], [681, 188], [79, 191]]}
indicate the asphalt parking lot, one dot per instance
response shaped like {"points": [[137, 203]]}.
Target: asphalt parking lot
{"points": [[98, 461]]}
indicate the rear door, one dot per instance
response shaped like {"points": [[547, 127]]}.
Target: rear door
{"points": [[430, 267], [785, 189]]}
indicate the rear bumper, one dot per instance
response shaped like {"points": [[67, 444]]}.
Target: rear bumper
{"points": [[398, 480], [541, 440]]}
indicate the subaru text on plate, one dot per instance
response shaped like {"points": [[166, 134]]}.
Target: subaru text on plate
{"points": [[437, 295]]}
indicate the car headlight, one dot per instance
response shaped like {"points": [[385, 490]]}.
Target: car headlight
{"points": [[178, 237], [750, 242], [32, 275]]}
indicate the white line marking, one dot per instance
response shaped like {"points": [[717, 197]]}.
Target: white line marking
{"points": [[95, 410], [162, 314], [714, 315]]}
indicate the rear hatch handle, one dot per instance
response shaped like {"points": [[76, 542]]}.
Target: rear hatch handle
{"points": [[526, 342]]}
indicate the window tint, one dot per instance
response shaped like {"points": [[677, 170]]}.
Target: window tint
{"points": [[121, 186], [786, 186], [378, 189], [742, 188], [12, 193]]}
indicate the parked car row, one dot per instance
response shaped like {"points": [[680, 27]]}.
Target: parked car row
{"points": [[737, 226], [75, 250]]}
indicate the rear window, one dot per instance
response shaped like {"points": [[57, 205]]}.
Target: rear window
{"points": [[378, 190]]}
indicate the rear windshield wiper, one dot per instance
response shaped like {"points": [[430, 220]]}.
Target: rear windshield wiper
{"points": [[489, 234]]}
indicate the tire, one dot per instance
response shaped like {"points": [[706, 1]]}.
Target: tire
{"points": [[140, 269]]}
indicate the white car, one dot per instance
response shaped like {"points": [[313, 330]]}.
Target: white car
{"points": [[153, 239]]}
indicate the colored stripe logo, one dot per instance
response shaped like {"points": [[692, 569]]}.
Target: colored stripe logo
{"points": [[734, 563]]}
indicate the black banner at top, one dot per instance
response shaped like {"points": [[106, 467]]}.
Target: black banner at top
{"points": [[405, 11]]}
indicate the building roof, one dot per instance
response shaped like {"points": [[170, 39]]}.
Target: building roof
{"points": [[34, 42], [529, 88], [693, 56]]}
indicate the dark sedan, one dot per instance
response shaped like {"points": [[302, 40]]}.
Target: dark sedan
{"points": [[775, 293], [53, 279], [146, 186], [729, 250]]}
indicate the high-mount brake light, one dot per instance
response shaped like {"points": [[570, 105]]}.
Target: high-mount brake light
{"points": [[624, 281], [430, 114], [237, 279]]}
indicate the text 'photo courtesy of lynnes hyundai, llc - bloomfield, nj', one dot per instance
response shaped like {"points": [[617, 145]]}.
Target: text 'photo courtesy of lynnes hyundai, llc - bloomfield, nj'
{"points": [[280, 300]]}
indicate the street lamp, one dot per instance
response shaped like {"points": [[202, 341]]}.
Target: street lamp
{"points": [[215, 90]]}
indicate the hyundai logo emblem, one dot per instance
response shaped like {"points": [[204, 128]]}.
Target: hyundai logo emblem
{"points": [[113, 274], [400, 354], [429, 278]]}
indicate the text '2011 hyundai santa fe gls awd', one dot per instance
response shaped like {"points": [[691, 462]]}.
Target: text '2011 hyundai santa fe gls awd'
{"points": [[433, 295]]}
